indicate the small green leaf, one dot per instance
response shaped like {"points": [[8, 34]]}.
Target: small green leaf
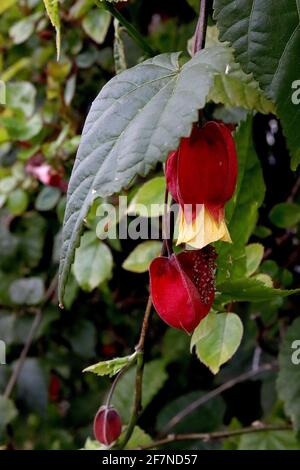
{"points": [[27, 291], [80, 8], [18, 201], [140, 258], [93, 262], [138, 439], [254, 256], [285, 214], [23, 29], [21, 95], [288, 383], [96, 24], [217, 338], [21, 128], [8, 412], [149, 200], [52, 7], [111, 367], [47, 199]]}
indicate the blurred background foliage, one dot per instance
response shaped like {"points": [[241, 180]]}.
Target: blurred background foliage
{"points": [[53, 403]]}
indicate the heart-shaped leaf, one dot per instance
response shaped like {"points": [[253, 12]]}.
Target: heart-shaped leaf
{"points": [[137, 118]]}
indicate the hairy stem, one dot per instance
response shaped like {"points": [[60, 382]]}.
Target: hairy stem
{"points": [[132, 31], [201, 28]]}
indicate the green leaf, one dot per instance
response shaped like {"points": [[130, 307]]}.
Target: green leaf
{"points": [[205, 418], [140, 258], [217, 338], [269, 440], [47, 199], [80, 8], [18, 201], [21, 128], [138, 439], [111, 367], [27, 291], [234, 88], [6, 4], [254, 256], [242, 210], [83, 337], [8, 412], [237, 89], [52, 8], [288, 383], [152, 192], [250, 290], [266, 38], [23, 29], [96, 24], [154, 378], [157, 93], [285, 214], [21, 95], [93, 262]]}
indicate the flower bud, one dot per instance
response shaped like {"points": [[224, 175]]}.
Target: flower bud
{"points": [[107, 425]]}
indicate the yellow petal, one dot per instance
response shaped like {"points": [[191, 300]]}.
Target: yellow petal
{"points": [[201, 231]]}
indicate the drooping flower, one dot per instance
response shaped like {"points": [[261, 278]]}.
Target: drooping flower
{"points": [[107, 425], [182, 287], [201, 176]]}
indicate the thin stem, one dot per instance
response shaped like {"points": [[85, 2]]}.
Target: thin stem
{"points": [[118, 377], [35, 324], [137, 407], [132, 31], [201, 28], [206, 437], [214, 393], [147, 315]]}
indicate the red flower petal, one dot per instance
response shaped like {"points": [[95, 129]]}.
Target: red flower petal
{"points": [[182, 288], [171, 174], [107, 425], [207, 167]]}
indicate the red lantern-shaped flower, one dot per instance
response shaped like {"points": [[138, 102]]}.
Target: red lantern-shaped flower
{"points": [[201, 176], [182, 287], [107, 425]]}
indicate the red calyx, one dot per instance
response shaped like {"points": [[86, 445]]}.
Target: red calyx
{"points": [[204, 168], [182, 287], [107, 425]]}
